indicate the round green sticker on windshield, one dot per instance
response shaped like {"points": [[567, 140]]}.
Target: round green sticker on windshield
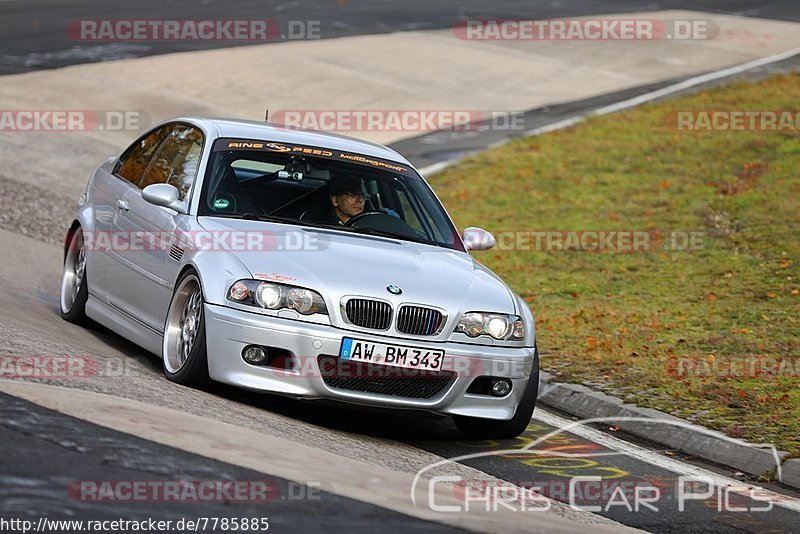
{"points": [[221, 203]]}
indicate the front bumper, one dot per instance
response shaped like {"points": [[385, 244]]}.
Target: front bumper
{"points": [[229, 330]]}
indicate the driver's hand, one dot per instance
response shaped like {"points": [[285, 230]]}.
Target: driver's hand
{"points": [[389, 211]]}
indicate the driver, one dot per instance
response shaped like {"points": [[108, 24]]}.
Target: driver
{"points": [[347, 200]]}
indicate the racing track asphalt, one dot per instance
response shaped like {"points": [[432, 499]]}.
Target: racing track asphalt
{"points": [[46, 452], [36, 304], [552, 475], [31, 325], [33, 33], [398, 440]]}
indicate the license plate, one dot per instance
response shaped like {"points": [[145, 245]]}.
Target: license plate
{"points": [[358, 350]]}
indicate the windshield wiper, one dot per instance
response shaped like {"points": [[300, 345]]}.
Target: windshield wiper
{"points": [[283, 220], [279, 219], [399, 235], [268, 218], [298, 222], [265, 218]]}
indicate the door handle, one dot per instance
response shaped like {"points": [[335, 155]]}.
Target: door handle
{"points": [[123, 205]]}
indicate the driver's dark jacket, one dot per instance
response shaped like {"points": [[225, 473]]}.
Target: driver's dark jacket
{"points": [[332, 218]]}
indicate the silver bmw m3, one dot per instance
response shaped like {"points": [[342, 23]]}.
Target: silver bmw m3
{"points": [[302, 264]]}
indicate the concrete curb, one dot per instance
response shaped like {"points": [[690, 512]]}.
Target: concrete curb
{"points": [[791, 472], [670, 431]]}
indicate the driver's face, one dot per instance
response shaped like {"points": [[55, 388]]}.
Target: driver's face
{"points": [[348, 205]]}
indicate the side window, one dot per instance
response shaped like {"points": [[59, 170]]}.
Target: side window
{"points": [[408, 212], [134, 160], [176, 161], [419, 216]]}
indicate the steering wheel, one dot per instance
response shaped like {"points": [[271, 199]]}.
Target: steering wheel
{"points": [[361, 216]]}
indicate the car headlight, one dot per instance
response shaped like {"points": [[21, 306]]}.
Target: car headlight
{"points": [[497, 325], [272, 296]]}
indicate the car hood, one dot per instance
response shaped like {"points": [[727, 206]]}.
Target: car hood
{"points": [[337, 264]]}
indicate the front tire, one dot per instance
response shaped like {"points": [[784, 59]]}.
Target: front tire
{"points": [[184, 347], [479, 428], [74, 286]]}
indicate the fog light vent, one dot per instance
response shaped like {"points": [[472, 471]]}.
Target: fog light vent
{"points": [[501, 387], [490, 386], [255, 355]]}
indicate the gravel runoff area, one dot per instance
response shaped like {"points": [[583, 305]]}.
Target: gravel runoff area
{"points": [[33, 211]]}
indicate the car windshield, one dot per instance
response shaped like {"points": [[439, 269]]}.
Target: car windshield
{"points": [[321, 187]]}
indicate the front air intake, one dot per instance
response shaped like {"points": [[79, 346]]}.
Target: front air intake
{"points": [[366, 313]]}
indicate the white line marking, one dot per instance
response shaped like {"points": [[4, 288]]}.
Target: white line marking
{"points": [[437, 167], [558, 125], [697, 80], [653, 458], [630, 102]]}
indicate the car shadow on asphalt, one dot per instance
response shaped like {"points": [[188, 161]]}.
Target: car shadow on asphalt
{"points": [[400, 425]]}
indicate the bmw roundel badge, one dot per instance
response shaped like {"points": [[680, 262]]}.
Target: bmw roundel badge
{"points": [[393, 289]]}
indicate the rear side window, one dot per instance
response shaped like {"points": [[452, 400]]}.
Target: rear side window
{"points": [[135, 159]]}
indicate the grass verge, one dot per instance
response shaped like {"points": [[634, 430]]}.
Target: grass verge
{"points": [[711, 333]]}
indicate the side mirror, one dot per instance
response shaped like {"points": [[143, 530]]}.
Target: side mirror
{"points": [[165, 195], [477, 239]]}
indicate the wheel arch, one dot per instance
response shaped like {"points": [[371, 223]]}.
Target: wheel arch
{"points": [[73, 227], [185, 269], [216, 271]]}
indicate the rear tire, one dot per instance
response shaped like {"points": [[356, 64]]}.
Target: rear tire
{"points": [[183, 350], [478, 428], [74, 285]]}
